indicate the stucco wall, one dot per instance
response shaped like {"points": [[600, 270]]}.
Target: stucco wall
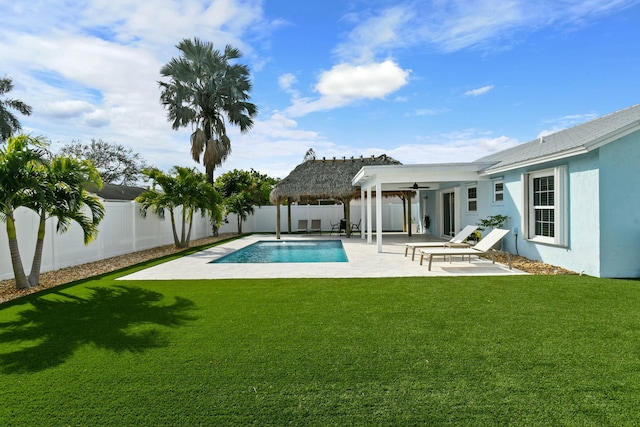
{"points": [[620, 208], [582, 252]]}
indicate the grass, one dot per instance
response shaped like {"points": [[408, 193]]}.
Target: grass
{"points": [[521, 350]]}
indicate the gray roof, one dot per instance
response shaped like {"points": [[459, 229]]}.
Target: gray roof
{"points": [[117, 192], [577, 139]]}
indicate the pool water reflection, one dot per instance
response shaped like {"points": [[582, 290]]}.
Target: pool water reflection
{"points": [[288, 251]]}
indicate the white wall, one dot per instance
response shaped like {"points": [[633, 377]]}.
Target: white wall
{"points": [[124, 231]]}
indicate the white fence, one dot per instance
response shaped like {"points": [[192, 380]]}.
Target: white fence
{"points": [[123, 231]]}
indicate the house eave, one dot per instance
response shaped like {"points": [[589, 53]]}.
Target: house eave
{"points": [[613, 136], [537, 161]]}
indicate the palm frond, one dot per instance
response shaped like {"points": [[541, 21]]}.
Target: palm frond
{"points": [[198, 142]]}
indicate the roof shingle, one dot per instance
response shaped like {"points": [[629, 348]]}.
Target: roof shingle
{"points": [[582, 136]]}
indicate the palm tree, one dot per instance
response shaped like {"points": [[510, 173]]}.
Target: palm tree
{"points": [[61, 193], [187, 188], [19, 161], [206, 91], [240, 204], [9, 124]]}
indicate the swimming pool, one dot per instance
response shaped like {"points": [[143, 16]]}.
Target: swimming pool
{"points": [[265, 251]]}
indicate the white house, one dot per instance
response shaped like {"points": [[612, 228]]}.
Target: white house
{"points": [[571, 197]]}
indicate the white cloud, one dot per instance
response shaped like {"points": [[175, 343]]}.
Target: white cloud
{"points": [[67, 109], [480, 91], [423, 112], [375, 34], [346, 83], [450, 26], [286, 81], [97, 64], [453, 147], [97, 119], [374, 80]]}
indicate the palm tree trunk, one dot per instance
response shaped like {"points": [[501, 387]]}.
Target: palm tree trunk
{"points": [[184, 224], [34, 276], [190, 226], [209, 170], [16, 261], [176, 242]]}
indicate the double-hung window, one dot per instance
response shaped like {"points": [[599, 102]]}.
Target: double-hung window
{"points": [[498, 191], [472, 199], [545, 216]]}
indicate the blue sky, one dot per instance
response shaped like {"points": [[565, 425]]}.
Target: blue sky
{"points": [[421, 81]]}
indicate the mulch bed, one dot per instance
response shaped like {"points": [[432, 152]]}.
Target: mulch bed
{"points": [[51, 279], [531, 267]]}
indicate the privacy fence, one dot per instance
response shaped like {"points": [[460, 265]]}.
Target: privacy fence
{"points": [[123, 230]]}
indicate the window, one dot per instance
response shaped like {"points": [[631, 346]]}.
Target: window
{"points": [[545, 195], [472, 199], [498, 191]]}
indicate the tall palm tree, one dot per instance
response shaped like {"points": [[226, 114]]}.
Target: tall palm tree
{"points": [[206, 91], [9, 124], [61, 193]]}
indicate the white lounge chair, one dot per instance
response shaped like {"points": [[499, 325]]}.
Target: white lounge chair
{"points": [[456, 240], [316, 226], [483, 247], [303, 226]]}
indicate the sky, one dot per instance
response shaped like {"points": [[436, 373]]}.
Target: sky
{"points": [[439, 81]]}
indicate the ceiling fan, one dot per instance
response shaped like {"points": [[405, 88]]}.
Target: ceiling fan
{"points": [[415, 186]]}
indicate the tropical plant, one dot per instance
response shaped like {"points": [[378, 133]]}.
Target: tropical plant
{"points": [[258, 185], [240, 204], [116, 163], [18, 162], [492, 221], [242, 190], [61, 193], [9, 124], [185, 188], [53, 188], [205, 91], [475, 236]]}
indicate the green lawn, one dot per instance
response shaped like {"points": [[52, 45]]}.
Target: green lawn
{"points": [[533, 350]]}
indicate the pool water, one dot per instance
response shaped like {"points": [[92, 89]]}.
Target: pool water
{"points": [[288, 251]]}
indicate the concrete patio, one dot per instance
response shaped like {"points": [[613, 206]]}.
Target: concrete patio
{"points": [[364, 261]]}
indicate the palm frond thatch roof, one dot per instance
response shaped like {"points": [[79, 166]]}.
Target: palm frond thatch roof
{"points": [[325, 178]]}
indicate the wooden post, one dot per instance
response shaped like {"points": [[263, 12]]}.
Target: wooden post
{"points": [[347, 215], [289, 215], [278, 218], [409, 213]]}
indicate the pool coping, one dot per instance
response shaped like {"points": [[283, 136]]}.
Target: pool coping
{"points": [[364, 261]]}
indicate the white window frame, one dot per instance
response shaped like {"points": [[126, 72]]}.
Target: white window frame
{"points": [[472, 199], [559, 206], [496, 192]]}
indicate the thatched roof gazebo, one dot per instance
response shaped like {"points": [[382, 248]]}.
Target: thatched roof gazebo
{"points": [[324, 179]]}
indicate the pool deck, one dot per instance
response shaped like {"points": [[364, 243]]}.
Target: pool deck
{"points": [[364, 261]]}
